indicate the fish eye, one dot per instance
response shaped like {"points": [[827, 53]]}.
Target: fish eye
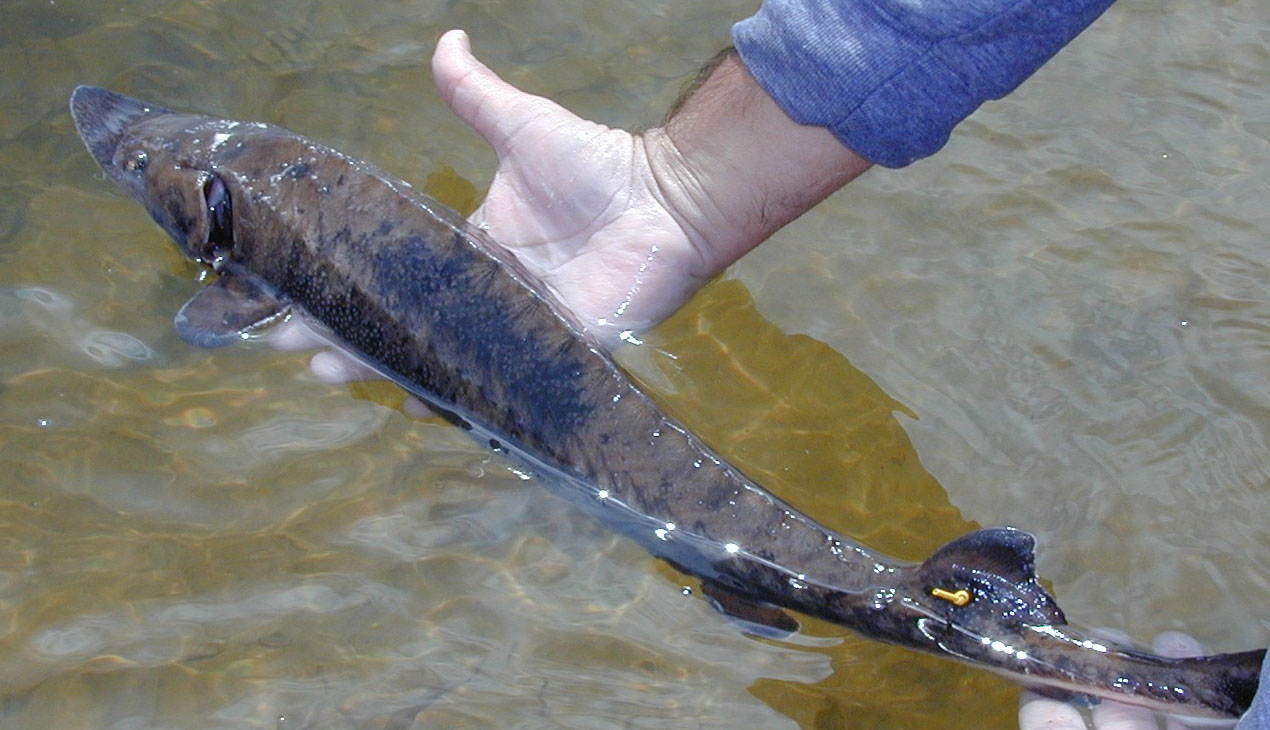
{"points": [[220, 218]]}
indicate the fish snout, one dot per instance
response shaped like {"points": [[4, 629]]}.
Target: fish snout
{"points": [[102, 117]]}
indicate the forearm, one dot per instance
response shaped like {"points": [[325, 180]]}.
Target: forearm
{"points": [[739, 158], [734, 168]]}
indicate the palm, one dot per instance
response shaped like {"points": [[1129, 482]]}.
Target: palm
{"points": [[575, 200], [528, 207]]}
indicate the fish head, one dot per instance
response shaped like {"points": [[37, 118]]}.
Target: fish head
{"points": [[165, 161]]}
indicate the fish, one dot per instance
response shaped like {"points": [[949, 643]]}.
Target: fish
{"points": [[292, 227]]}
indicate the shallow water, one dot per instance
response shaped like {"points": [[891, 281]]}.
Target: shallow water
{"points": [[1059, 322]]}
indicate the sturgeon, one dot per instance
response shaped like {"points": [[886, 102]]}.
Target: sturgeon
{"points": [[435, 305]]}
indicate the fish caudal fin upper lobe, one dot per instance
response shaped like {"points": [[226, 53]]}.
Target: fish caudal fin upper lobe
{"points": [[1226, 682]]}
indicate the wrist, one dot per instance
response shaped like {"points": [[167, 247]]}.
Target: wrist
{"points": [[733, 168]]}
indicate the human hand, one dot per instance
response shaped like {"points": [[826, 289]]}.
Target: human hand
{"points": [[624, 227], [1042, 713], [577, 202]]}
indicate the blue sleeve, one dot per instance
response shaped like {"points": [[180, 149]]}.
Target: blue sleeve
{"points": [[891, 78], [1258, 716]]}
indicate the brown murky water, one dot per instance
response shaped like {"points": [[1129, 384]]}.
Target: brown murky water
{"points": [[1060, 322]]}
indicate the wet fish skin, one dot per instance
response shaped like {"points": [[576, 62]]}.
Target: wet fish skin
{"points": [[434, 304], [451, 316]]}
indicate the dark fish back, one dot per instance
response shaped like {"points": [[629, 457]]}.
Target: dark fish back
{"points": [[446, 312]]}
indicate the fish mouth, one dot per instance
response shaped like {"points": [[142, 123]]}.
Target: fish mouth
{"points": [[102, 116]]}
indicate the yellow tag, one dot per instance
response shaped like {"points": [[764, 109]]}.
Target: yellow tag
{"points": [[956, 598]]}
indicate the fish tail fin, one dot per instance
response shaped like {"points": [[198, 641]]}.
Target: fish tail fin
{"points": [[985, 582], [1225, 682]]}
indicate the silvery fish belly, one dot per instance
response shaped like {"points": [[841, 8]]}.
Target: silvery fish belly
{"points": [[433, 304]]}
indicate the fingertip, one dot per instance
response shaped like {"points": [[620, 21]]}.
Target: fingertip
{"points": [[327, 368], [452, 44], [294, 334], [459, 36], [1176, 644], [1119, 716], [1042, 713], [335, 367]]}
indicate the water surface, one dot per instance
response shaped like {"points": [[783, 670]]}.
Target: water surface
{"points": [[1060, 322]]}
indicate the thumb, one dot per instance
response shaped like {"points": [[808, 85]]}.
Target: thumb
{"points": [[491, 106]]}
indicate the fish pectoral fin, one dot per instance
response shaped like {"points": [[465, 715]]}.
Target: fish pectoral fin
{"points": [[998, 559], [228, 310], [759, 619]]}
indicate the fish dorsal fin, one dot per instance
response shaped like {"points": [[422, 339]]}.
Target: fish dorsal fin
{"points": [[998, 563], [1002, 551], [226, 311]]}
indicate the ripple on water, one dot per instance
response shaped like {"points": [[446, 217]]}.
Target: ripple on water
{"points": [[47, 311], [114, 349], [87, 636], [286, 434], [156, 631]]}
